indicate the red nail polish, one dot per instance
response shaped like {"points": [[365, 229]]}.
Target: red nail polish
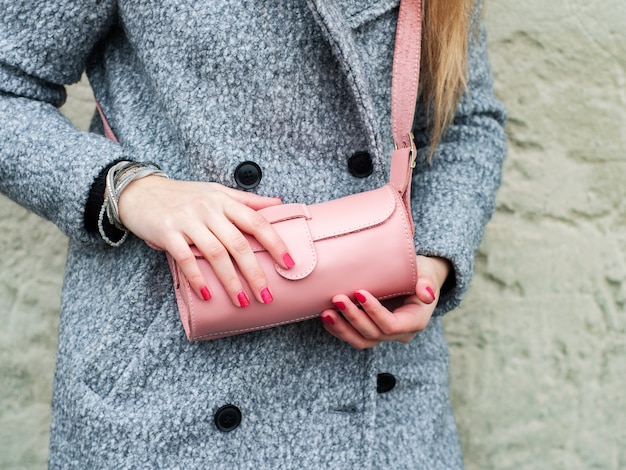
{"points": [[288, 261], [340, 305], [360, 297], [328, 320], [266, 295], [206, 295], [243, 299], [432, 294]]}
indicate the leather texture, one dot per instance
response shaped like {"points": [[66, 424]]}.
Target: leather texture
{"points": [[406, 70], [362, 241]]}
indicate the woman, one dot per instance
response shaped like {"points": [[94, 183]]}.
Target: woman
{"points": [[287, 99]]}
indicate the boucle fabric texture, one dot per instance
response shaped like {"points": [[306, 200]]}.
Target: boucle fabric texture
{"points": [[297, 87]]}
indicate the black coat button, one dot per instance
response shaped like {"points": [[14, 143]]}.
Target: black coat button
{"points": [[248, 175], [360, 165], [227, 418], [385, 382]]}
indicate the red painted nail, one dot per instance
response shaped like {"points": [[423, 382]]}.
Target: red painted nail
{"points": [[328, 320], [288, 261], [340, 305], [432, 294], [206, 295], [266, 295], [360, 297], [243, 299]]}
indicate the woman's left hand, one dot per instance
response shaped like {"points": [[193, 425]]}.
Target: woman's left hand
{"points": [[372, 323]]}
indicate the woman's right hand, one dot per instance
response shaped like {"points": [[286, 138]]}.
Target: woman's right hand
{"points": [[172, 215]]}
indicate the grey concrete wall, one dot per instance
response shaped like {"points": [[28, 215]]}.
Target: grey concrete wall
{"points": [[539, 346]]}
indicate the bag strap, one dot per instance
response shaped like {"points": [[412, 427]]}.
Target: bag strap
{"points": [[406, 71], [404, 89], [108, 132]]}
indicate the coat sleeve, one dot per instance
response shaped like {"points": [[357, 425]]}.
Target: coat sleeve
{"points": [[46, 164], [454, 196]]}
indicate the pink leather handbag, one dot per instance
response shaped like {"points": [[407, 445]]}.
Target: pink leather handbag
{"points": [[362, 241]]}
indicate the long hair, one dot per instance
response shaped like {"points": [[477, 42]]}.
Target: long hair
{"points": [[444, 61]]}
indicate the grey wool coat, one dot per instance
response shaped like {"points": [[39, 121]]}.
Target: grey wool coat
{"points": [[298, 87]]}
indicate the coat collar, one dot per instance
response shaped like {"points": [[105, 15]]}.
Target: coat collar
{"points": [[338, 19], [359, 12]]}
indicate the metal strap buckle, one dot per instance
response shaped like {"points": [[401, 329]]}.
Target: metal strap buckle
{"points": [[412, 151]]}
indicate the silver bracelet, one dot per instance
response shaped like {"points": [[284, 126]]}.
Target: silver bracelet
{"points": [[118, 177]]}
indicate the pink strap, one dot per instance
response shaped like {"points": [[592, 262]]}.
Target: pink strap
{"points": [[406, 71], [108, 132], [404, 88]]}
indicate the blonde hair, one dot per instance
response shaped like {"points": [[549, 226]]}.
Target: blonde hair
{"points": [[444, 61]]}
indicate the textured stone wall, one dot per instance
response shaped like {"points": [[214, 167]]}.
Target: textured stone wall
{"points": [[539, 346]]}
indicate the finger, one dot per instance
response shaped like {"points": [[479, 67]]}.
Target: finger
{"points": [[219, 258], [179, 249], [256, 225], [239, 248], [254, 201], [358, 319], [413, 316], [409, 318], [341, 329], [433, 272], [426, 291]]}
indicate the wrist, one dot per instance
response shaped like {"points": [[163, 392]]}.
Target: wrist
{"points": [[118, 178], [136, 192], [94, 204]]}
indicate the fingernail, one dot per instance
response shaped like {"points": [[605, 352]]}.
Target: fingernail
{"points": [[206, 295], [360, 297], [266, 295], [328, 320], [243, 299], [288, 261], [340, 305], [432, 294]]}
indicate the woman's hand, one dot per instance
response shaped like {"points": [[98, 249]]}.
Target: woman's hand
{"points": [[172, 215], [373, 323]]}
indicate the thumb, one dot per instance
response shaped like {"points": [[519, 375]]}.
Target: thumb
{"points": [[433, 272], [426, 291]]}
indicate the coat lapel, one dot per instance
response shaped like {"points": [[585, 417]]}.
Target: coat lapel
{"points": [[337, 20], [358, 12]]}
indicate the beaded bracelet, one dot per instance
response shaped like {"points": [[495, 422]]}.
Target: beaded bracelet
{"points": [[118, 177]]}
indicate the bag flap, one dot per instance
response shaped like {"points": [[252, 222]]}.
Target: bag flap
{"points": [[291, 222], [300, 226], [338, 216], [352, 213]]}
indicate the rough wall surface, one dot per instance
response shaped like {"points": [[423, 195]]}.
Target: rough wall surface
{"points": [[539, 345], [538, 348]]}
